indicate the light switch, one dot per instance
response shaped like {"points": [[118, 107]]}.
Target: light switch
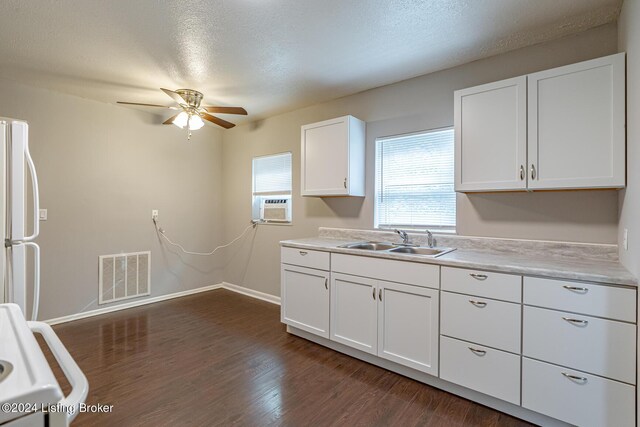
{"points": [[43, 214]]}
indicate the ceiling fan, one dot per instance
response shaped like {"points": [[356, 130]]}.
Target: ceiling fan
{"points": [[192, 114]]}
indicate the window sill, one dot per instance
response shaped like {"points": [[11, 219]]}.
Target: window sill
{"points": [[273, 223]]}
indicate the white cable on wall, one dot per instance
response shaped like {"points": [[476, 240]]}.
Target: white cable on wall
{"points": [[179, 246]]}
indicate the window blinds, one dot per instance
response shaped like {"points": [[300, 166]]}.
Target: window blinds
{"points": [[272, 175], [415, 180]]}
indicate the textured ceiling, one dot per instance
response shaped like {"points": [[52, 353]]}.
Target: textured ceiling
{"points": [[268, 56]]}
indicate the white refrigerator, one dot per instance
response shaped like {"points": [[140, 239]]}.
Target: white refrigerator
{"points": [[18, 172]]}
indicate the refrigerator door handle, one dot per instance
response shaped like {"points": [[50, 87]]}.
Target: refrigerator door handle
{"points": [[36, 195], [36, 279]]}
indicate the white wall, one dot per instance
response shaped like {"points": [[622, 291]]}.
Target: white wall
{"points": [[102, 168], [421, 103], [629, 41]]}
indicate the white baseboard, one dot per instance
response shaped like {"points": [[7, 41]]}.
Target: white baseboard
{"points": [[131, 304], [252, 293], [224, 285]]}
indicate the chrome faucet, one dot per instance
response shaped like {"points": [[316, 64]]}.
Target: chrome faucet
{"points": [[431, 241], [404, 236]]}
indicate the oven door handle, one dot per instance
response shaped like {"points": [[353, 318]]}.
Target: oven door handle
{"points": [[79, 383]]}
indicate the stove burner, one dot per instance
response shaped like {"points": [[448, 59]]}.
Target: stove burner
{"points": [[5, 369]]}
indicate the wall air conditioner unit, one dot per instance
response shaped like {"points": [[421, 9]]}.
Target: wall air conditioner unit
{"points": [[276, 210]]}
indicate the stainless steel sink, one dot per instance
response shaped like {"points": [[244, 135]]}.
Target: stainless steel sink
{"points": [[5, 369], [369, 246], [420, 250]]}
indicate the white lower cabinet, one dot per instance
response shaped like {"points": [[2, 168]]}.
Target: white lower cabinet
{"points": [[394, 321], [555, 354], [484, 369], [305, 299], [354, 316], [576, 397], [408, 326]]}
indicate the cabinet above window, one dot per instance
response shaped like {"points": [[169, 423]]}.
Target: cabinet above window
{"points": [[558, 129]]}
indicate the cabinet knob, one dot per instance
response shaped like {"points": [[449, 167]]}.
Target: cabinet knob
{"points": [[477, 351], [480, 304], [576, 321], [576, 288], [533, 171], [574, 377], [521, 172]]}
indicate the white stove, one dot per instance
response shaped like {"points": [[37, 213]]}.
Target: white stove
{"points": [[29, 392]]}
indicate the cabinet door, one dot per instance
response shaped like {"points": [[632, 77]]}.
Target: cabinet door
{"points": [[491, 136], [325, 158], [408, 326], [577, 125], [305, 299], [354, 318]]}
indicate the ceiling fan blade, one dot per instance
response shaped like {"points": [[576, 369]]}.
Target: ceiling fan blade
{"points": [[227, 110], [218, 121], [147, 105], [174, 95], [170, 120]]}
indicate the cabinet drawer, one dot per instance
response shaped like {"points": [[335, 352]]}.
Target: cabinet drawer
{"points": [[481, 320], [306, 258], [586, 298], [585, 401], [505, 287], [598, 346], [412, 273], [486, 370]]}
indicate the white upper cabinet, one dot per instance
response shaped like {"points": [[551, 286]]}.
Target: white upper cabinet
{"points": [[577, 125], [333, 154], [491, 136], [557, 129]]}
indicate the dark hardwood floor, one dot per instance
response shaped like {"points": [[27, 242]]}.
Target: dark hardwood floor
{"points": [[220, 358]]}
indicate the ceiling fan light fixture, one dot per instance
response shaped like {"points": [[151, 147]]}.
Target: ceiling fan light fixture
{"points": [[181, 120], [195, 122]]}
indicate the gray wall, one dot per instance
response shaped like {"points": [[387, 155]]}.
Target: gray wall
{"points": [[102, 168], [421, 103], [629, 41]]}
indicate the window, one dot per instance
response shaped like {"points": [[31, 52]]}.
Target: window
{"points": [[414, 181], [272, 188]]}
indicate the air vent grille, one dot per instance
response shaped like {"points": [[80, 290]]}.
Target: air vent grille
{"points": [[124, 276]]}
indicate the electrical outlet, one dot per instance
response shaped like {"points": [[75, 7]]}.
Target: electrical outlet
{"points": [[625, 239], [42, 214], [154, 214]]}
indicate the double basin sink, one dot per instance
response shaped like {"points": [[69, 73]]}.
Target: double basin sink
{"points": [[398, 248]]}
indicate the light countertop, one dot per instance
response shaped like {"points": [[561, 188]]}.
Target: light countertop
{"points": [[541, 265]]}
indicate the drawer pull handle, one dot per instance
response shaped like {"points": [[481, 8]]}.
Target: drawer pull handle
{"points": [[480, 304], [576, 288], [374, 294], [479, 276], [303, 253], [326, 283], [576, 321], [380, 294], [574, 377], [477, 351]]}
